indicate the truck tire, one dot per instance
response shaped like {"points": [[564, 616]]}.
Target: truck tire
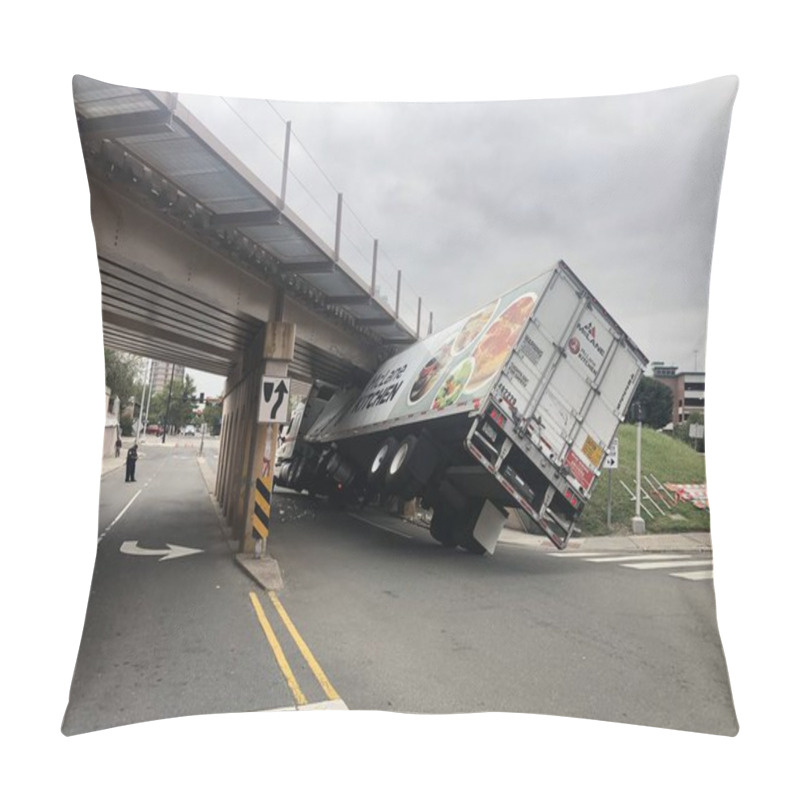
{"points": [[382, 460], [292, 474], [471, 544], [412, 465], [442, 526], [400, 479]]}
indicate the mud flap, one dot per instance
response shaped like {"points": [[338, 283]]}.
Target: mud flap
{"points": [[489, 526]]}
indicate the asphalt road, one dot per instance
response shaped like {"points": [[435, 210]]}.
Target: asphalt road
{"points": [[170, 636], [407, 625], [375, 615]]}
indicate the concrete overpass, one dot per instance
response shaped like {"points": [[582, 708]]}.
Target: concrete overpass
{"points": [[202, 264]]}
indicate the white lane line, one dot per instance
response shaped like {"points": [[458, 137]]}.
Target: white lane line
{"points": [[700, 575], [382, 527], [117, 518], [668, 564], [649, 557]]}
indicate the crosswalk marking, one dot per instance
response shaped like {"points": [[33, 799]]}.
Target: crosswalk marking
{"points": [[651, 557], [573, 554], [668, 564], [649, 561], [699, 575]]}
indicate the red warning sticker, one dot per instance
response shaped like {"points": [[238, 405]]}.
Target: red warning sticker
{"points": [[582, 473]]}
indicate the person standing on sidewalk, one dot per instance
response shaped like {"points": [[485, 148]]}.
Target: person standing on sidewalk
{"points": [[117, 446], [130, 464]]}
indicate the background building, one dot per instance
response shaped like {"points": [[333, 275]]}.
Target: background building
{"points": [[162, 373], [688, 390]]}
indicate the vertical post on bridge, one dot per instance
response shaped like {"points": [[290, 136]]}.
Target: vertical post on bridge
{"points": [[374, 268], [285, 177], [397, 300], [337, 245]]}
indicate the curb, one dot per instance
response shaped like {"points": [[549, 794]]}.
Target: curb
{"points": [[264, 571]]}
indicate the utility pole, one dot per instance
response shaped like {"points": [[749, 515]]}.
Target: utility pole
{"points": [[169, 400], [149, 396], [142, 413]]}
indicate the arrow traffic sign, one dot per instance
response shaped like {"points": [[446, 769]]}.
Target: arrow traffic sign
{"points": [[274, 403], [612, 458], [172, 551]]}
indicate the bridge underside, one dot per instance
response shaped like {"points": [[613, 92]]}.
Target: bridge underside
{"points": [[200, 264], [143, 315]]}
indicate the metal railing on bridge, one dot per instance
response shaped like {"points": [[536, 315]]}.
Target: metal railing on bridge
{"points": [[266, 142]]}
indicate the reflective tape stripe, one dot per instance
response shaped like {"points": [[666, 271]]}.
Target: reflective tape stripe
{"points": [[262, 507]]}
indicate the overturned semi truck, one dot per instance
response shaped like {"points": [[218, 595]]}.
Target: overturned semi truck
{"points": [[515, 406]]}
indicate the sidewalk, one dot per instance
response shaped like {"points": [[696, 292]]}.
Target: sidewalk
{"points": [[645, 543]]}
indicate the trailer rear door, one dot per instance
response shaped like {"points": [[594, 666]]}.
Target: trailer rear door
{"points": [[569, 380]]}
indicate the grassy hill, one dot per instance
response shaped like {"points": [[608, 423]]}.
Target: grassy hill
{"points": [[670, 461]]}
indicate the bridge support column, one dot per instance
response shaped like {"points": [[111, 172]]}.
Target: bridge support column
{"points": [[244, 438]]}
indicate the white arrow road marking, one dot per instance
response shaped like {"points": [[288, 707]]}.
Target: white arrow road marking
{"points": [[173, 551]]}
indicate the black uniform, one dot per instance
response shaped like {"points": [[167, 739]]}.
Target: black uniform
{"points": [[130, 464]]}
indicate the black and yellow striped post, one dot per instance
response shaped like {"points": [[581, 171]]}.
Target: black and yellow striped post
{"points": [[261, 512]]}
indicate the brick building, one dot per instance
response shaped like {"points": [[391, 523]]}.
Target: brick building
{"points": [[688, 390]]}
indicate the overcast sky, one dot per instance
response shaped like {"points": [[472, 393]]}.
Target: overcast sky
{"points": [[471, 199]]}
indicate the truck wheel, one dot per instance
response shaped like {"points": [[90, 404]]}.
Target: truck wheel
{"points": [[472, 545], [442, 526], [382, 460], [292, 474], [399, 474]]}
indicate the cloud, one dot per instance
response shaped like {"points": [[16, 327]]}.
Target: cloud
{"points": [[471, 199]]}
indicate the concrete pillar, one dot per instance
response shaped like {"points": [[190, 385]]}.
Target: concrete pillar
{"points": [[244, 439], [277, 352]]}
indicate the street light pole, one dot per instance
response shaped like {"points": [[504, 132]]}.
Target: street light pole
{"points": [[637, 522]]}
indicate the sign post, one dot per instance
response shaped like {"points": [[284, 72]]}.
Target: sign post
{"points": [[612, 460]]}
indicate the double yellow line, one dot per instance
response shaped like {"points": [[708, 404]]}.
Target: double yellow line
{"points": [[280, 657]]}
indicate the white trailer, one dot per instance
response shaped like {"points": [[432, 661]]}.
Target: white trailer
{"points": [[515, 406]]}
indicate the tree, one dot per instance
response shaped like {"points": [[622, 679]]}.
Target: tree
{"points": [[656, 402], [123, 371], [212, 416], [180, 402]]}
